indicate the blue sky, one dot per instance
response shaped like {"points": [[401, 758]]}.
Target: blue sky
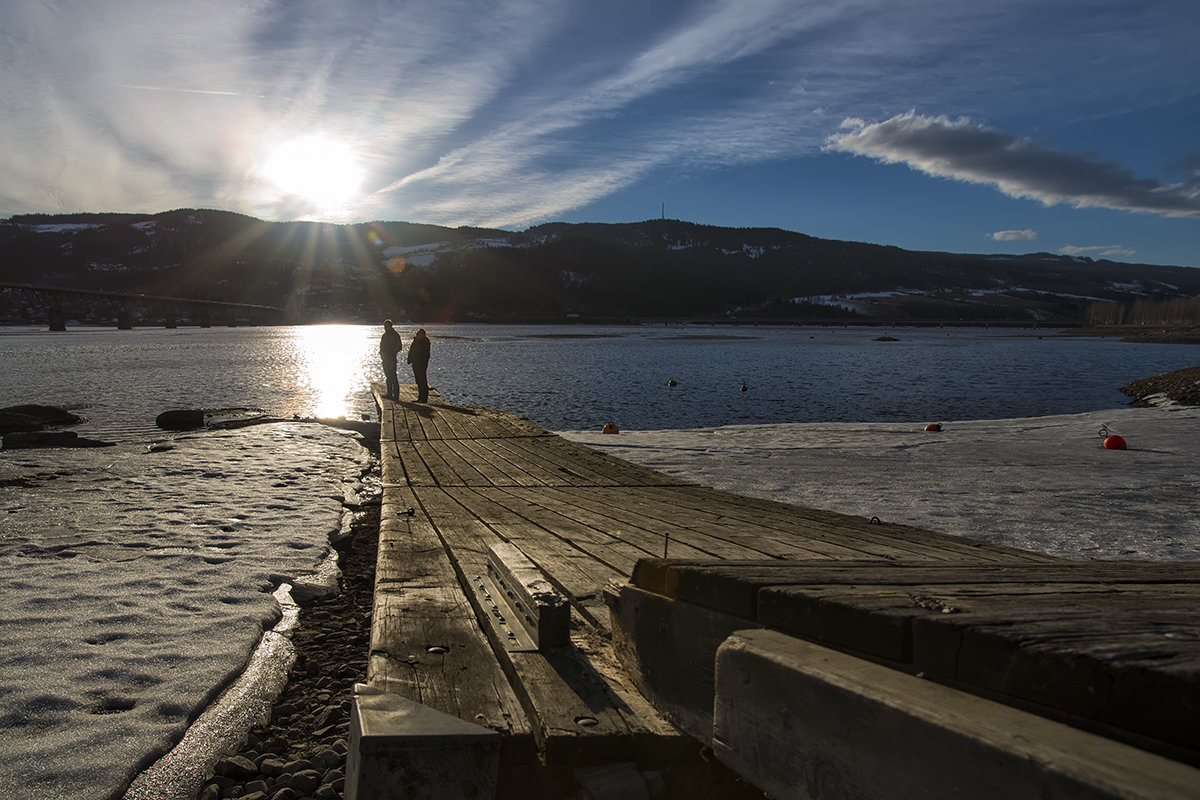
{"points": [[1068, 126]]}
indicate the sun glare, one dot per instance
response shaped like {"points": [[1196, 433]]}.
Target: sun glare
{"points": [[330, 359], [319, 170]]}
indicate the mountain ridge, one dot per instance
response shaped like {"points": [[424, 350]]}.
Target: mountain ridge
{"points": [[658, 268]]}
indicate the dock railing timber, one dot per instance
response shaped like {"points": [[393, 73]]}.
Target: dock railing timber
{"points": [[775, 649]]}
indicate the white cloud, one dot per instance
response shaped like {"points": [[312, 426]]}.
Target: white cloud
{"points": [[1013, 236], [966, 151]]}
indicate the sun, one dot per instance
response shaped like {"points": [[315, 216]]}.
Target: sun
{"points": [[319, 170]]}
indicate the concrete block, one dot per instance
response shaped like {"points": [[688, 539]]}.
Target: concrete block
{"points": [[407, 751], [802, 721]]}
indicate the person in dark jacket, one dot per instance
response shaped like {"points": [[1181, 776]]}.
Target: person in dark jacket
{"points": [[418, 356], [389, 349]]}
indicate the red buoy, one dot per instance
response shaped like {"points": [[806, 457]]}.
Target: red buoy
{"points": [[933, 427], [1114, 442], [610, 427]]}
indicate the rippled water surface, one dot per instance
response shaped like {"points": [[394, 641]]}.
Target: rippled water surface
{"points": [[576, 377]]}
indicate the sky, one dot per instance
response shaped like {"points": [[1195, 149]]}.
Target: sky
{"points": [[1001, 126]]}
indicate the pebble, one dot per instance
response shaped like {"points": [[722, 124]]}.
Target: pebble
{"points": [[305, 781], [301, 753], [238, 767]]}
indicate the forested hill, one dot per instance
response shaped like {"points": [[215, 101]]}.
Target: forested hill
{"points": [[557, 271]]}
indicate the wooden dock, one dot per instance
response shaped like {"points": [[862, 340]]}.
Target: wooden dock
{"points": [[704, 622]]}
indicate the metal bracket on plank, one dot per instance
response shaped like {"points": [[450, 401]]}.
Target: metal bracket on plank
{"points": [[523, 608]]}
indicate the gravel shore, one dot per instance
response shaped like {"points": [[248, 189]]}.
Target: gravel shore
{"points": [[1181, 386], [301, 753]]}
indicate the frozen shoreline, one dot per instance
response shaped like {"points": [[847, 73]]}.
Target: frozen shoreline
{"points": [[140, 580], [139, 583], [1039, 483]]}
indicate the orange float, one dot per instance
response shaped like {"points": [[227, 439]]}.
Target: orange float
{"points": [[1114, 442], [933, 427], [610, 428]]}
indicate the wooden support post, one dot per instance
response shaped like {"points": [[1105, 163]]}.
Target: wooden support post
{"points": [[802, 721]]}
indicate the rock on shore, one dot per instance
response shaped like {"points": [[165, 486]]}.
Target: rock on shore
{"points": [[1181, 386], [26, 426]]}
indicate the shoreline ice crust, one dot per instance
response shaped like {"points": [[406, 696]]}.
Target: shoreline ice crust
{"points": [[1044, 484], [138, 584]]}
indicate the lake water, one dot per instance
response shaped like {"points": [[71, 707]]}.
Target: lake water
{"points": [[580, 377], [173, 549]]}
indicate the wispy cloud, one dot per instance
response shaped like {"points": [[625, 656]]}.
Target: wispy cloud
{"points": [[1013, 236], [966, 151], [505, 114], [1097, 250]]}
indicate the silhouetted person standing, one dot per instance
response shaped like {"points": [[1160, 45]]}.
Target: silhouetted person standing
{"points": [[389, 350], [418, 356]]}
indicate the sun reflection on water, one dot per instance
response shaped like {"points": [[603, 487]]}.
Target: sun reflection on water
{"points": [[331, 363]]}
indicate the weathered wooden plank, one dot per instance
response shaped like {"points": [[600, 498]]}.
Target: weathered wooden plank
{"points": [[444, 474], [467, 469], [592, 467], [425, 642], [488, 423], [1058, 636], [600, 545], [919, 544], [734, 586], [502, 470], [579, 504], [626, 515], [802, 721], [425, 645], [700, 523], [722, 515], [443, 421], [475, 423], [573, 713], [510, 450], [471, 525], [576, 573], [489, 474], [569, 466], [413, 469], [485, 477], [425, 414]]}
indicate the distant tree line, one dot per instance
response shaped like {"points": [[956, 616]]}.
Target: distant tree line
{"points": [[1172, 312]]}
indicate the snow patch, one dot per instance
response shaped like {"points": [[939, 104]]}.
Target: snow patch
{"points": [[65, 227], [137, 584]]}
